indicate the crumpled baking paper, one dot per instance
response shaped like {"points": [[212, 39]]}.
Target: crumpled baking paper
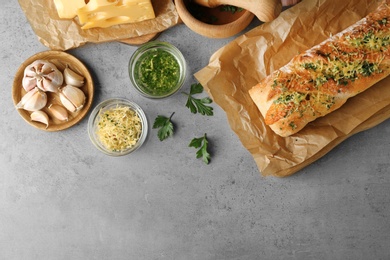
{"points": [[64, 34], [241, 64]]}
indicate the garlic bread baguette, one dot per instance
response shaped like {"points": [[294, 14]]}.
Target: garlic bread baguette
{"points": [[320, 80]]}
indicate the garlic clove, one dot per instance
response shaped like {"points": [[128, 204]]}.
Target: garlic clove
{"points": [[72, 98], [73, 78], [59, 112], [55, 77], [29, 83], [52, 80], [40, 116], [46, 84], [67, 104], [26, 97], [36, 102], [33, 100]]}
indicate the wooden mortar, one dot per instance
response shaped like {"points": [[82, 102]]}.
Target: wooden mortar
{"points": [[211, 30], [264, 10]]}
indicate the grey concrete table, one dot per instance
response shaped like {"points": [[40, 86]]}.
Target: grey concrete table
{"points": [[60, 198]]}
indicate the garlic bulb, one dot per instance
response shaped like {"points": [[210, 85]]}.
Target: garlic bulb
{"points": [[40, 116], [33, 100], [42, 74], [72, 98], [59, 112], [73, 78]]}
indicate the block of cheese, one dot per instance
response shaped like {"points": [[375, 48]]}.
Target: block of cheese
{"points": [[67, 9], [106, 13]]}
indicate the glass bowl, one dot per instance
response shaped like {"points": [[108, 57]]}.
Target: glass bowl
{"points": [[157, 69], [117, 146]]}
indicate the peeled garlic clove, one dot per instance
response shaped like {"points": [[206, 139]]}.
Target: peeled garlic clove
{"points": [[72, 98], [40, 116], [34, 100], [58, 112], [73, 78]]}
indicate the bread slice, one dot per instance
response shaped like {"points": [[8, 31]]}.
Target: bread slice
{"points": [[320, 80]]}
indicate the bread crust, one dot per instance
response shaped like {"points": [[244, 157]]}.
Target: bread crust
{"points": [[320, 80]]}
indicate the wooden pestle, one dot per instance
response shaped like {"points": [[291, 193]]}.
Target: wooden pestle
{"points": [[264, 10]]}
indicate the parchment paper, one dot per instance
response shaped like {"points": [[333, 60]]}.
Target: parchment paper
{"points": [[242, 63], [64, 34]]}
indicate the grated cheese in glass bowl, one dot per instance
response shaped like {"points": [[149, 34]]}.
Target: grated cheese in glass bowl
{"points": [[117, 127]]}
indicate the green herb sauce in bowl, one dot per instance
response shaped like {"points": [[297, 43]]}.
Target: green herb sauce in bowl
{"points": [[157, 69]]}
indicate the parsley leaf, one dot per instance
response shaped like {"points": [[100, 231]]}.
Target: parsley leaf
{"points": [[165, 125], [201, 143], [196, 88], [197, 105]]}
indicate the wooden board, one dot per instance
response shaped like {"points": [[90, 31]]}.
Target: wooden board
{"points": [[141, 39]]}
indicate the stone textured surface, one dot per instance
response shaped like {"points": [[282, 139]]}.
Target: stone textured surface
{"points": [[60, 198]]}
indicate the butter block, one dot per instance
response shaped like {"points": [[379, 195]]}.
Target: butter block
{"points": [[106, 13], [67, 9]]}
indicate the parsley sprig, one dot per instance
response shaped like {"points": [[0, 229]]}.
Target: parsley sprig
{"points": [[198, 105], [201, 143], [166, 126]]}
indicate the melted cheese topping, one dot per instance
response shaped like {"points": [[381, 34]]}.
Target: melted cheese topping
{"points": [[119, 128], [323, 74], [321, 79]]}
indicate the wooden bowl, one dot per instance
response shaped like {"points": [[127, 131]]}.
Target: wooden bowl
{"points": [[60, 59], [230, 24]]}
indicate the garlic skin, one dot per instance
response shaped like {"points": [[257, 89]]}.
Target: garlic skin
{"points": [[72, 98], [40, 116], [33, 100], [59, 112], [42, 74], [73, 78]]}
